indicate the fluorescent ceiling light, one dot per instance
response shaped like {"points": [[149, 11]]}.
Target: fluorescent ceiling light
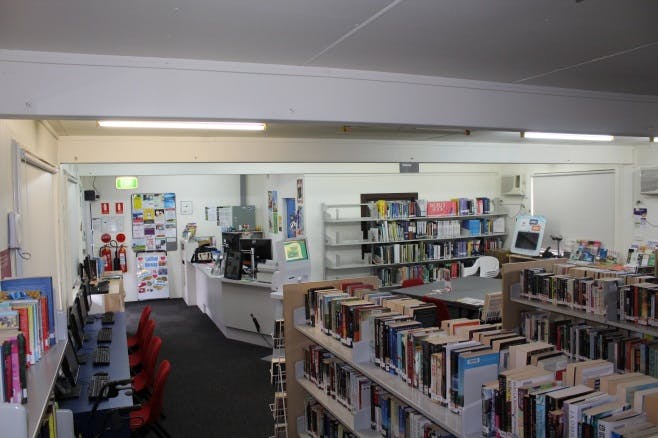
{"points": [[161, 124], [559, 136]]}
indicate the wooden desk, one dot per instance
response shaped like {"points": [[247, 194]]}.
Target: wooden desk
{"points": [[114, 300]]}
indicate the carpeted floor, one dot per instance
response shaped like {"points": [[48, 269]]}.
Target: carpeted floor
{"points": [[217, 387]]}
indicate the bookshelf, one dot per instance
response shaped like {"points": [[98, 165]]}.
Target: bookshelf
{"points": [[513, 304], [350, 250], [40, 380], [299, 336]]}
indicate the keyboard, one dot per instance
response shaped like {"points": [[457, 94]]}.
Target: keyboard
{"points": [[104, 335], [108, 318], [102, 356], [96, 384]]}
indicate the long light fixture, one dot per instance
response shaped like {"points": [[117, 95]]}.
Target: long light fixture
{"points": [[560, 136], [164, 124]]}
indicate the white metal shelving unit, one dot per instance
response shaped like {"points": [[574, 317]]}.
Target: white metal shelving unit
{"points": [[344, 236]]}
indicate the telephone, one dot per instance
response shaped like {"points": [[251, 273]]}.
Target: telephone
{"points": [[15, 230]]}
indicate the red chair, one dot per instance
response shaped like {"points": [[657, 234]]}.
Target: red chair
{"points": [[145, 419], [143, 381], [133, 340], [137, 358], [442, 312], [410, 282]]}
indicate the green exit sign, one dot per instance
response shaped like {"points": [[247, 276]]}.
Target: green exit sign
{"points": [[126, 182]]}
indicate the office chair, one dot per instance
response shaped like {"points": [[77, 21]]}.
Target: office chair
{"points": [[410, 282], [133, 340], [136, 358], [145, 418], [442, 312], [489, 267], [143, 381]]}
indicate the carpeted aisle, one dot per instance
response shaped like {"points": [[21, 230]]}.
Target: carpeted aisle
{"points": [[217, 387]]}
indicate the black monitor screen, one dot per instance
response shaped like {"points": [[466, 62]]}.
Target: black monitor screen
{"points": [[70, 365], [76, 327], [232, 240], [79, 307], [233, 267], [262, 248], [526, 240]]}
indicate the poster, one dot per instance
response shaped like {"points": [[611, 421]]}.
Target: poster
{"points": [[272, 212], [154, 221], [152, 275], [5, 264], [291, 218]]}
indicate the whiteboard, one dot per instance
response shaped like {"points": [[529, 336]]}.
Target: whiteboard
{"points": [[576, 205]]}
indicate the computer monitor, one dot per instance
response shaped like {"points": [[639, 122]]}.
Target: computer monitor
{"points": [[231, 240], [295, 250], [528, 235], [70, 365], [293, 260], [262, 248], [80, 308], [76, 327]]}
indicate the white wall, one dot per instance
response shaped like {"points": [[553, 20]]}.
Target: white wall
{"points": [[41, 227], [202, 190], [646, 156]]}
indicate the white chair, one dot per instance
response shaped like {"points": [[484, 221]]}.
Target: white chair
{"points": [[488, 266]]}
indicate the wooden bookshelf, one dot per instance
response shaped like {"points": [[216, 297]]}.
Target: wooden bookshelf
{"points": [[298, 336]]}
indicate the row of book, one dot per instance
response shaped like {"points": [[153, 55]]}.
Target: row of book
{"points": [[424, 208], [30, 316], [360, 396], [588, 400], [425, 251], [340, 312], [624, 297], [427, 272], [401, 230], [13, 364], [581, 340], [321, 424]]}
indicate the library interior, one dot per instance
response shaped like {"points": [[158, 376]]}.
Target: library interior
{"points": [[214, 228]]}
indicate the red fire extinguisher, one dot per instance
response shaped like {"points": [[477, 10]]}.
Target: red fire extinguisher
{"points": [[106, 254], [123, 263]]}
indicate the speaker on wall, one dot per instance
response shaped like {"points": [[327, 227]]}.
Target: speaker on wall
{"points": [[90, 195]]}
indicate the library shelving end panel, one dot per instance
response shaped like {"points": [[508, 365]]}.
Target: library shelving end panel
{"points": [[293, 298], [511, 274]]}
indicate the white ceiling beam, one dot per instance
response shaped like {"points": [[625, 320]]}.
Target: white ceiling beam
{"points": [[55, 85]]}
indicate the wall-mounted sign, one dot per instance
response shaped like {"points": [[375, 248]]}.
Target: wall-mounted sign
{"points": [[105, 208], [118, 207], [126, 182]]}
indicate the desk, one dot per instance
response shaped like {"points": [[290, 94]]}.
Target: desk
{"points": [[113, 301], [118, 369], [464, 287], [230, 304]]}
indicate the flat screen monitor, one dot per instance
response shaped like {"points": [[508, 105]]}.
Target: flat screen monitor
{"points": [[76, 327], [70, 365], [80, 308], [233, 266], [528, 235], [262, 248], [295, 250], [231, 240]]}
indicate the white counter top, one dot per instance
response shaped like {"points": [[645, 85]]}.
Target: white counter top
{"points": [[206, 268], [250, 283]]}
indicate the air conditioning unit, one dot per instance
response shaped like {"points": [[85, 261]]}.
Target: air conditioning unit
{"points": [[512, 185], [649, 181]]}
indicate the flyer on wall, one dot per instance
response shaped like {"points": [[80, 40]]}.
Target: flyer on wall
{"points": [[152, 275]]}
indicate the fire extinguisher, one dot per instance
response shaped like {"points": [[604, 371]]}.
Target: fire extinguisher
{"points": [[123, 263], [106, 254]]}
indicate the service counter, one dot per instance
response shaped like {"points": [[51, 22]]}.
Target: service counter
{"points": [[230, 304]]}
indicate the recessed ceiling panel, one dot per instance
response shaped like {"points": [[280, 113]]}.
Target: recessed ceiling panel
{"points": [[262, 31], [504, 41]]}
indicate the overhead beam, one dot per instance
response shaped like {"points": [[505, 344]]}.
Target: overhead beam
{"points": [[60, 85]]}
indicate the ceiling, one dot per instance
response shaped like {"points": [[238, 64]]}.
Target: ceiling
{"points": [[603, 45]]}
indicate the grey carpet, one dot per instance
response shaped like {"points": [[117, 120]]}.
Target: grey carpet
{"points": [[217, 387]]}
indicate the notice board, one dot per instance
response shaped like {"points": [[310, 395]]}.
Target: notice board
{"points": [[154, 221]]}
